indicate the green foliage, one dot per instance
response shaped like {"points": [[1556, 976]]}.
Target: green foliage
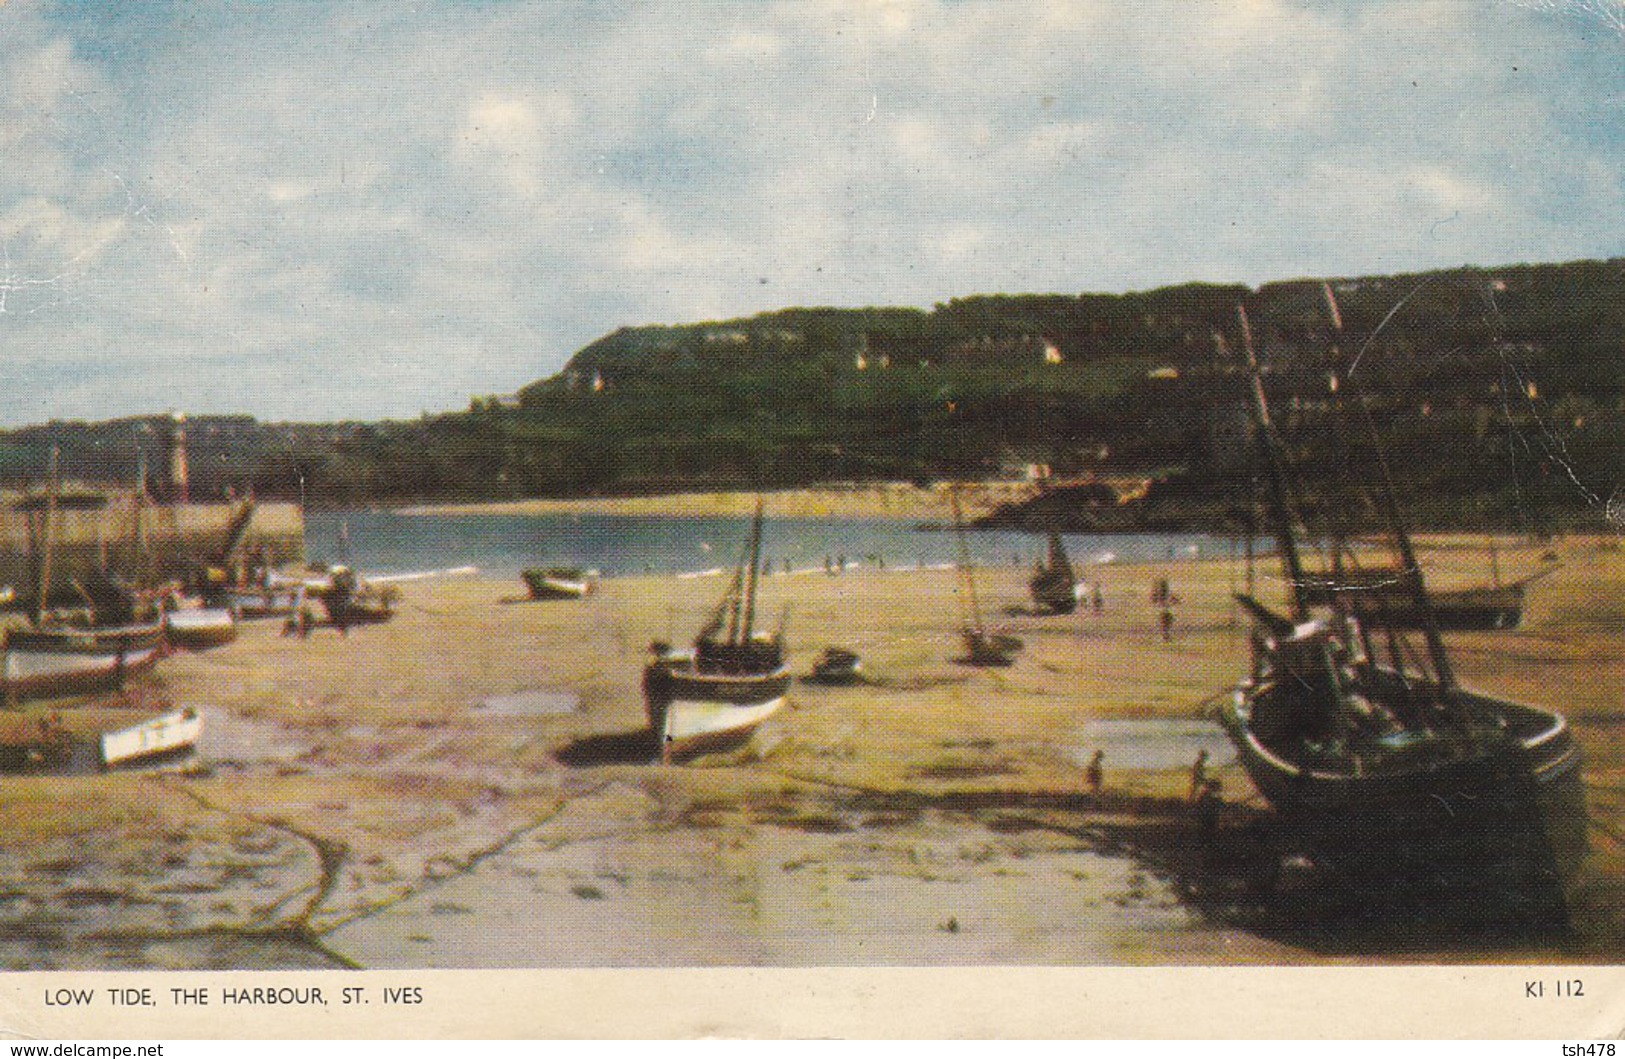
{"points": [[1499, 395]]}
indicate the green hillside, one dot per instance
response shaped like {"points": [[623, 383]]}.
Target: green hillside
{"points": [[1497, 394]]}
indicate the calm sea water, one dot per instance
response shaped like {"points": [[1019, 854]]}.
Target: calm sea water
{"points": [[381, 542]]}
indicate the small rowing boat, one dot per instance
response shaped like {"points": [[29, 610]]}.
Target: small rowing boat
{"points": [[165, 737]]}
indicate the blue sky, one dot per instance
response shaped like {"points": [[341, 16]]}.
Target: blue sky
{"points": [[317, 211]]}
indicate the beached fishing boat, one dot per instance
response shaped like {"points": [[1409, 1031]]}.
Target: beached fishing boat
{"points": [[1054, 585], [983, 647], [54, 658], [51, 662], [716, 695], [166, 737], [1388, 772], [557, 582], [1378, 597], [199, 628], [349, 600], [837, 665], [273, 599]]}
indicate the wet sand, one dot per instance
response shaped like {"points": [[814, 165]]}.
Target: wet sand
{"points": [[469, 786], [899, 500]]}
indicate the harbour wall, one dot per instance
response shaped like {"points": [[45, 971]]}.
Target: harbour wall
{"points": [[142, 542]]}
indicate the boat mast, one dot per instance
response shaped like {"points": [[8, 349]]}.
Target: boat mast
{"points": [[1280, 508], [1410, 570], [754, 572], [965, 572], [49, 536], [140, 553]]}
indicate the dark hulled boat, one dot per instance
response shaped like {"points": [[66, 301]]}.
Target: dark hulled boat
{"points": [[716, 695], [1390, 774], [1054, 585], [1462, 797], [837, 665], [269, 599], [350, 600], [1377, 595]]}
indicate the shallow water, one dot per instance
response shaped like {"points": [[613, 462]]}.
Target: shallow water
{"points": [[607, 891], [1153, 744], [381, 542], [537, 701]]}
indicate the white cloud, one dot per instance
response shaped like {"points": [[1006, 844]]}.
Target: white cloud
{"points": [[314, 212]]}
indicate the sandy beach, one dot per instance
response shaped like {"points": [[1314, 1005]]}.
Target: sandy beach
{"points": [[899, 500], [468, 785]]}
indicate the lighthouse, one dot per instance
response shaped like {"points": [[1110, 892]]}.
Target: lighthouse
{"points": [[177, 460]]}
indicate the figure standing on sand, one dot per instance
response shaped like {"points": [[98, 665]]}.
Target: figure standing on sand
{"points": [[1096, 773], [1198, 775], [1166, 621], [1208, 806]]}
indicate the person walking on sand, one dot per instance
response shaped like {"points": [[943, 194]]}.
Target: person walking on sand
{"points": [[1198, 775], [1096, 773], [1208, 805]]}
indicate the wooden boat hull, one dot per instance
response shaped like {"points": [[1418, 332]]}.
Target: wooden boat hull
{"points": [[1054, 592], [369, 610], [1454, 610], [837, 666], [91, 641], [52, 663], [247, 603], [1498, 830], [543, 584], [172, 735], [198, 630], [1479, 608], [1054, 585], [692, 712]]}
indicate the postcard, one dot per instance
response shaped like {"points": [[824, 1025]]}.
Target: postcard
{"points": [[856, 518]]}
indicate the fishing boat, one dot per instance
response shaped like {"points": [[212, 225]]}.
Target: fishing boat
{"points": [[716, 695], [54, 658], [837, 665], [1378, 596], [349, 600], [199, 628], [1054, 585], [166, 737], [557, 582], [1389, 773], [54, 661], [272, 599], [983, 647]]}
